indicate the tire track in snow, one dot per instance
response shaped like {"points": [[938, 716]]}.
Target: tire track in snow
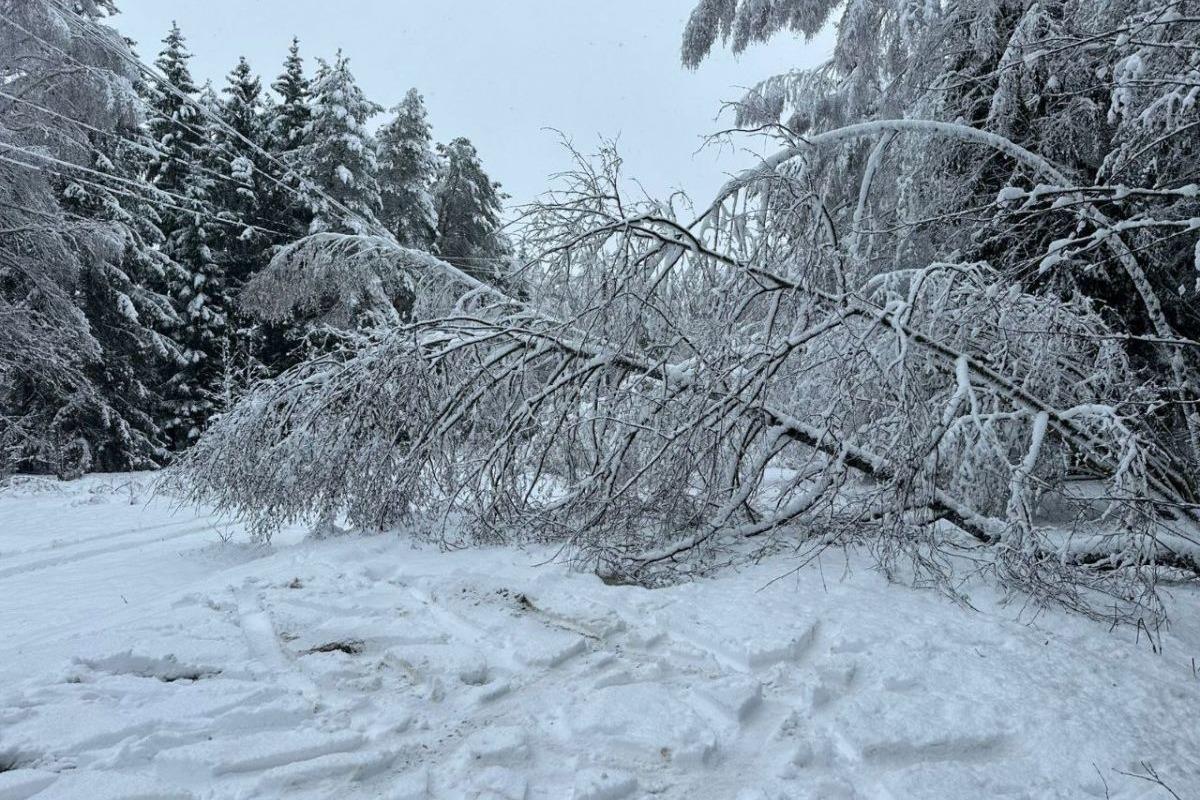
{"points": [[66, 546], [327, 746], [265, 647], [76, 556]]}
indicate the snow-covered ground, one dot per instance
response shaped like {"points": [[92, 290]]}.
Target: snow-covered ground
{"points": [[142, 657]]}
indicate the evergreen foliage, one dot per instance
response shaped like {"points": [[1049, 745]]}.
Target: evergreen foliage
{"points": [[286, 122], [468, 205], [241, 196], [337, 157], [240, 193], [407, 173], [186, 169]]}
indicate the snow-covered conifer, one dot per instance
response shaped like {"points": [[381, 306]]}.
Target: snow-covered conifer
{"points": [[468, 206], [337, 159], [173, 121], [287, 118], [187, 170], [407, 172], [292, 113], [241, 190]]}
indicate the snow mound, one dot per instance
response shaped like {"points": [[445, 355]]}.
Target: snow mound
{"points": [[167, 668]]}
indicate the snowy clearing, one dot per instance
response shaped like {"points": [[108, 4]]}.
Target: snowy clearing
{"points": [[144, 658]]}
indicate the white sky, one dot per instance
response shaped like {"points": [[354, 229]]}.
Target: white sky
{"points": [[500, 71]]}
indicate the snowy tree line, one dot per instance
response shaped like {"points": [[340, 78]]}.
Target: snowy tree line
{"points": [[139, 208]]}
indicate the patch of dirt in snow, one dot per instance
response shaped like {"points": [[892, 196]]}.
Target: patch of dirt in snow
{"points": [[370, 668]]}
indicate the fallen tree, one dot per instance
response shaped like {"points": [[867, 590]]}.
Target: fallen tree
{"points": [[675, 389]]}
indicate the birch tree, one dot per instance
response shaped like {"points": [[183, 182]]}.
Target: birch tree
{"points": [[84, 325], [911, 328]]}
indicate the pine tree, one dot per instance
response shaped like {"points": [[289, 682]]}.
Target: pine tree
{"points": [[292, 114], [172, 124], [287, 120], [241, 194], [407, 173], [337, 158], [468, 206], [187, 161]]}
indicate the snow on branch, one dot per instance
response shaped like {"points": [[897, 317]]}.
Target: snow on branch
{"points": [[663, 400]]}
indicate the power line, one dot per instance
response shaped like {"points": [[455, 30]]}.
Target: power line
{"points": [[137, 184], [124, 54], [147, 198], [145, 148], [66, 165], [116, 191]]}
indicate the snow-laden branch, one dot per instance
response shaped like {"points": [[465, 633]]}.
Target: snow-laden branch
{"points": [[636, 407], [1107, 231]]}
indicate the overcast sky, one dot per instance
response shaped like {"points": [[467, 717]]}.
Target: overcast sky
{"points": [[500, 71]]}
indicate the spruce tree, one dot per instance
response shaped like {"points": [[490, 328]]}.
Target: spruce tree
{"points": [[241, 194], [337, 158], [468, 206], [287, 120], [172, 124], [122, 294], [292, 113], [407, 173], [186, 140]]}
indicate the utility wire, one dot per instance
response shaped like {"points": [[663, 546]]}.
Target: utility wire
{"points": [[66, 165], [124, 54], [152, 151], [139, 145]]}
